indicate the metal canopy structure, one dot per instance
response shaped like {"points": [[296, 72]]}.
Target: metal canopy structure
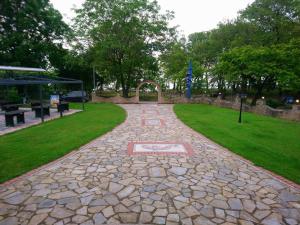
{"points": [[16, 79], [13, 79], [16, 68]]}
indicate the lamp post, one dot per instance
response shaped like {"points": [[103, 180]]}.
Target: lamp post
{"points": [[242, 97]]}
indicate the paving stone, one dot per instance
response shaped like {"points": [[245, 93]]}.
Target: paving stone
{"points": [[273, 219], [61, 213], [145, 217], [173, 217], [128, 217], [16, 199], [220, 213], [159, 220], [111, 200], [9, 221], [37, 219], [150, 188], [89, 222], [108, 212], [42, 192], [114, 187], [289, 197], [61, 195], [79, 219], [249, 205], [126, 191], [147, 208], [178, 170], [187, 221], [99, 218], [86, 200], [157, 172], [161, 212], [260, 214], [202, 221], [207, 211], [219, 204], [235, 204], [291, 221], [47, 203], [199, 194], [82, 211], [98, 202], [190, 211], [120, 208]]}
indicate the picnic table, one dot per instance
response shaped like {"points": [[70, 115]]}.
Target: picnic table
{"points": [[38, 110], [10, 107], [62, 106], [9, 117]]}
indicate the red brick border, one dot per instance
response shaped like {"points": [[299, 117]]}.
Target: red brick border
{"points": [[188, 147]]}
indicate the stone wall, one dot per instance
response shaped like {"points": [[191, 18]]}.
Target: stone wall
{"points": [[261, 108], [116, 99]]}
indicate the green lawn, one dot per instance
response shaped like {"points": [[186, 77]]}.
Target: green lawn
{"points": [[268, 142], [32, 147]]}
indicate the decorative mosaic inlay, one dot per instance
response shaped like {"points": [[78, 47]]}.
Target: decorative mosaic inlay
{"points": [[153, 122], [159, 148], [151, 112]]}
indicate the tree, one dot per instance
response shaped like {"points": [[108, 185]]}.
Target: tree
{"points": [[124, 37], [31, 33], [278, 19], [174, 63], [258, 67]]}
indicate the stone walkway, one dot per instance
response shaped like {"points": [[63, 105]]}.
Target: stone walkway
{"points": [[102, 183]]}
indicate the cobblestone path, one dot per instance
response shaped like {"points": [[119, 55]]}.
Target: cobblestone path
{"points": [[103, 182]]}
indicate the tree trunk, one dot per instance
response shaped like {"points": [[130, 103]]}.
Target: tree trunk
{"points": [[124, 93], [257, 95]]}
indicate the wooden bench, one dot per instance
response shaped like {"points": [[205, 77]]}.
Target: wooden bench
{"points": [[62, 106], [10, 107], [9, 117], [38, 110]]}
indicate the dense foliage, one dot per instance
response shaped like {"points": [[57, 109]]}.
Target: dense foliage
{"points": [[257, 51], [32, 33], [124, 36], [127, 41]]}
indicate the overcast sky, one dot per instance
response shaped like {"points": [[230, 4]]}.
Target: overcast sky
{"points": [[191, 15]]}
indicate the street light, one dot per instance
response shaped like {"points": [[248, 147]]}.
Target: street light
{"points": [[242, 97]]}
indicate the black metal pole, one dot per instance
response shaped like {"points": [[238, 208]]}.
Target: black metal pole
{"points": [[241, 108], [94, 78], [41, 102], [82, 99]]}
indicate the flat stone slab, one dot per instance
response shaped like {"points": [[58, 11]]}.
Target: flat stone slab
{"points": [[153, 122], [159, 148]]}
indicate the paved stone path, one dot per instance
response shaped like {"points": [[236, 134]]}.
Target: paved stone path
{"points": [[101, 183]]}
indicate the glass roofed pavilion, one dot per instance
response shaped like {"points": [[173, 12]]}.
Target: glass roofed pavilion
{"points": [[14, 77]]}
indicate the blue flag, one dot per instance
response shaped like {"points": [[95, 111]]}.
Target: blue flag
{"points": [[189, 81]]}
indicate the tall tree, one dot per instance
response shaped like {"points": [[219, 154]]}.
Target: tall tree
{"points": [[31, 33], [278, 19], [125, 36], [258, 67]]}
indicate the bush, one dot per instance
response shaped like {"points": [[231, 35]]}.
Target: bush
{"points": [[274, 103]]}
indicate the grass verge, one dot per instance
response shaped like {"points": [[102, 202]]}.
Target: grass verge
{"points": [[271, 143], [32, 147]]}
